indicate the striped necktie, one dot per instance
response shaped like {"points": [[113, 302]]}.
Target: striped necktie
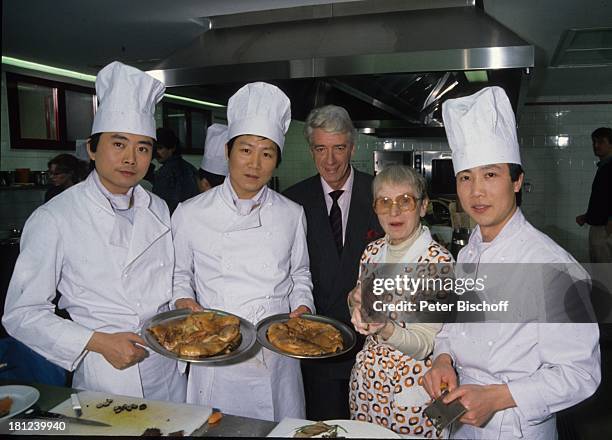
{"points": [[335, 219]]}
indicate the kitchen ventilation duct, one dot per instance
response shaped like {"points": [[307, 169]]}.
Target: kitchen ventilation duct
{"points": [[390, 63]]}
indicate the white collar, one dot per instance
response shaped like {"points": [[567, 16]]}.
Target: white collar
{"points": [[347, 187], [245, 206]]}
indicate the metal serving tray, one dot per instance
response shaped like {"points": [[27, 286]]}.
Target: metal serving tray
{"points": [[247, 331], [348, 335]]}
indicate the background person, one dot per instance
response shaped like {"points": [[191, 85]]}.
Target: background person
{"points": [[397, 354], [176, 180], [599, 212], [65, 170], [213, 169], [341, 223], [241, 247], [106, 245]]}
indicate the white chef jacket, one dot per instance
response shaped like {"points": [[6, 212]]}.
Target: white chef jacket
{"points": [[254, 266], [547, 367], [111, 278]]}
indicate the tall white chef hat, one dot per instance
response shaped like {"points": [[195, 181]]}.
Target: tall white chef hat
{"points": [[127, 99], [259, 109], [481, 129], [214, 160]]}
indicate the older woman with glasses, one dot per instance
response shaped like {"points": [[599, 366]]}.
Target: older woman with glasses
{"points": [[388, 370]]}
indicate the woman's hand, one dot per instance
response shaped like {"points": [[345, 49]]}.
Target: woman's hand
{"points": [[188, 303]]}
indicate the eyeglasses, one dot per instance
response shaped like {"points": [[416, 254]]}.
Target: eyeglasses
{"points": [[404, 202]]}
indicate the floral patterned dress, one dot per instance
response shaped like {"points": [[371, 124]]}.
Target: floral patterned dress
{"points": [[382, 373]]}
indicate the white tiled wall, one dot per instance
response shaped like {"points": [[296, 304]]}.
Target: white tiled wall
{"points": [[555, 135]]}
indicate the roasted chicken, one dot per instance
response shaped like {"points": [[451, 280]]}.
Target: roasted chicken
{"points": [[201, 334], [304, 337]]}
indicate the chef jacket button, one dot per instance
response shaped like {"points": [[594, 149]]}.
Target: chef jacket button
{"points": [[267, 296], [138, 304], [125, 274], [161, 264], [490, 343], [462, 333], [459, 367], [265, 265]]}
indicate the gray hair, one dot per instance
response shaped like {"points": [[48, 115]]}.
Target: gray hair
{"points": [[332, 119], [400, 175]]}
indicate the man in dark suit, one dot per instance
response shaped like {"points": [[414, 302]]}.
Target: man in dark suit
{"points": [[341, 222]]}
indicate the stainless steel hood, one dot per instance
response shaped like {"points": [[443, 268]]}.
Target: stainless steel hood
{"points": [[389, 62]]}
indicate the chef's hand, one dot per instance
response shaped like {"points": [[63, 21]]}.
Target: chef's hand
{"points": [[188, 303], [441, 375], [119, 349], [581, 220], [481, 401], [299, 311]]}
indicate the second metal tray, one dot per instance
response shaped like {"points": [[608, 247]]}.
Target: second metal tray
{"points": [[247, 331], [348, 335]]}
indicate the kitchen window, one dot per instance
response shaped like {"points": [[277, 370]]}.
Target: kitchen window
{"points": [[46, 114], [189, 124]]}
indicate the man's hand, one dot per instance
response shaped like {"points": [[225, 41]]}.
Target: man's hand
{"points": [[481, 401], [188, 303], [119, 349], [299, 311], [441, 375], [581, 220]]}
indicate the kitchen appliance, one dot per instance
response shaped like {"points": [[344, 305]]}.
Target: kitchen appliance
{"points": [[435, 166]]}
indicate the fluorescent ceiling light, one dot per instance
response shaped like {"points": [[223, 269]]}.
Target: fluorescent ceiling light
{"points": [[84, 77]]}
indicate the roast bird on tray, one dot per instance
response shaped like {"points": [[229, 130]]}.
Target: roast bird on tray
{"points": [[201, 334], [305, 337]]}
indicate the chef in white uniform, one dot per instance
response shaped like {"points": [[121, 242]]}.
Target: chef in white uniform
{"points": [[241, 247], [213, 168], [512, 377], [106, 245]]}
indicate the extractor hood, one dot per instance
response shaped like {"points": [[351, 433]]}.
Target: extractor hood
{"points": [[391, 63]]}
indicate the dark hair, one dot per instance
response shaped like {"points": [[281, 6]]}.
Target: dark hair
{"points": [[279, 156], [212, 178], [167, 139], [515, 173], [94, 139], [602, 132], [69, 164]]}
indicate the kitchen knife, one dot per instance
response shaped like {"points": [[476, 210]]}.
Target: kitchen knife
{"points": [[39, 414], [76, 405], [443, 414]]}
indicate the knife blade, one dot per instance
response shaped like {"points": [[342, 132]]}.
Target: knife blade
{"points": [[76, 405], [40, 414]]}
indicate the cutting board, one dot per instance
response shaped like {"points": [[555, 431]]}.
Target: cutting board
{"points": [[166, 416]]}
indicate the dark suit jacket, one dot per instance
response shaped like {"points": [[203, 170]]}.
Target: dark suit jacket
{"points": [[333, 276]]}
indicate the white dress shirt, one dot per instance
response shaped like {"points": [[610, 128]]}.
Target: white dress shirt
{"points": [[344, 201]]}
